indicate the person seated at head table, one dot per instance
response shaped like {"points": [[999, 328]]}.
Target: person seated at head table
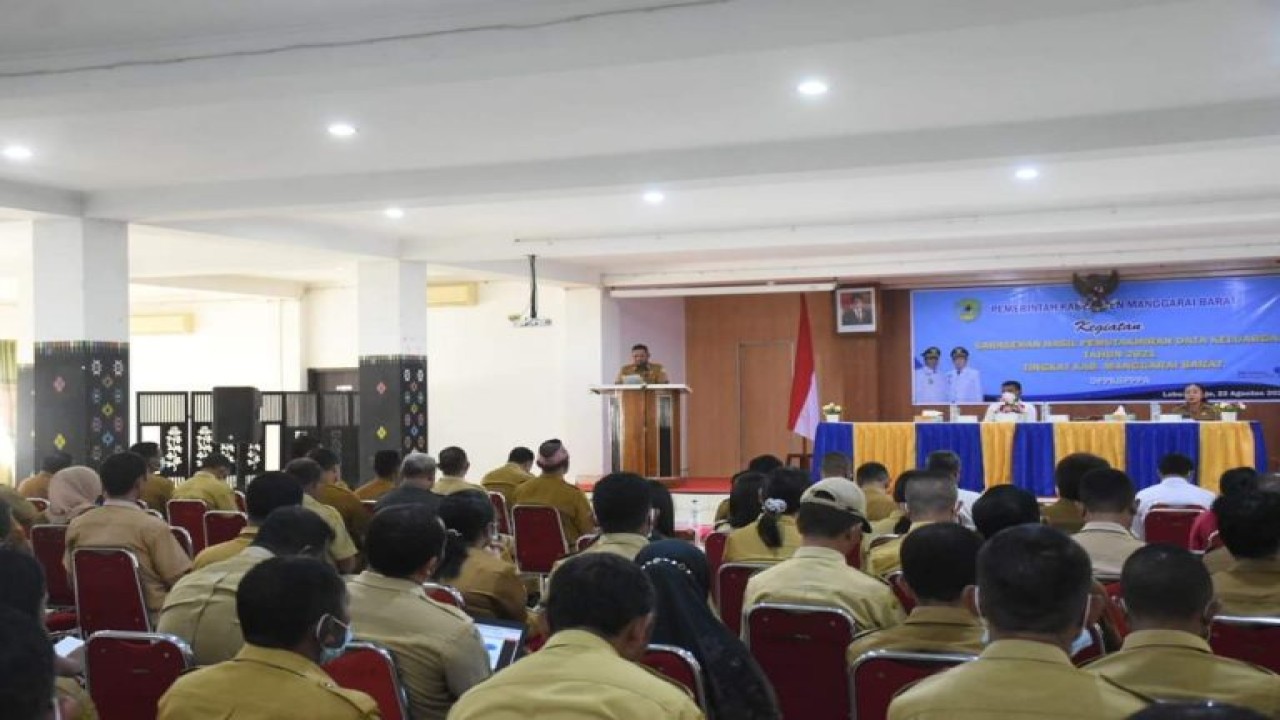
{"points": [[265, 493], [1004, 506], [1175, 488], [1194, 405], [1108, 499], [773, 537], [1168, 597], [293, 614], [507, 478], [736, 686], [1249, 524], [938, 569], [931, 498], [601, 615], [1011, 403], [1033, 592], [1064, 514], [473, 565], [37, 486]]}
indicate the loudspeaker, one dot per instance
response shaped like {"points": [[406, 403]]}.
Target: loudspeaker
{"points": [[235, 415]]}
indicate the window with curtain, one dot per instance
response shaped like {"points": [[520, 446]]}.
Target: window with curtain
{"points": [[8, 408]]}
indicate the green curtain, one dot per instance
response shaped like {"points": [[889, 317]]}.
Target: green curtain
{"points": [[8, 408]]}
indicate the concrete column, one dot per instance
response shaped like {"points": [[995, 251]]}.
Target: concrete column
{"points": [[592, 338]]}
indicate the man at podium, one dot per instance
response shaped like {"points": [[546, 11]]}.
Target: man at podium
{"points": [[641, 371]]}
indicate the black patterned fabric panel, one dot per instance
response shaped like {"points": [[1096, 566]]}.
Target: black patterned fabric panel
{"points": [[393, 406], [81, 398]]}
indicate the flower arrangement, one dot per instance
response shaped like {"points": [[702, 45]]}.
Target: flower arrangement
{"points": [[832, 409], [1234, 406]]}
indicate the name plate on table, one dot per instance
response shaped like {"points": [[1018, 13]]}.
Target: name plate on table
{"points": [[1171, 418], [966, 418], [1058, 418], [1007, 417]]}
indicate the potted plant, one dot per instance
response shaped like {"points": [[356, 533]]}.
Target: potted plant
{"points": [[831, 412], [1230, 410]]}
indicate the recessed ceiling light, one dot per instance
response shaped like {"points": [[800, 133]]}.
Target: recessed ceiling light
{"points": [[394, 213], [17, 153], [813, 87], [342, 130], [1027, 173], [654, 197]]}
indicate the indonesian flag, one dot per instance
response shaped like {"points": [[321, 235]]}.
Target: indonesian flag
{"points": [[805, 413]]}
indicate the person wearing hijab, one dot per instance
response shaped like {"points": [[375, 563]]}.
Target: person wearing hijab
{"points": [[72, 491], [736, 686]]}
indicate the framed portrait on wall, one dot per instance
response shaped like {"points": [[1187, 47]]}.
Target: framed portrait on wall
{"points": [[857, 310]]}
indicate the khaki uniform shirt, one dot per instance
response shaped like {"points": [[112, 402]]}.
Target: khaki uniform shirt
{"points": [[820, 576], [264, 684], [439, 652], [577, 675], [226, 550], [655, 375], [1108, 546], [885, 526], [624, 545], [745, 545], [491, 587], [552, 489], [1218, 560], [201, 608], [1015, 679], [215, 493], [36, 486], [374, 489], [505, 480], [1063, 515], [342, 547], [880, 504], [157, 491], [448, 485], [161, 560], [887, 558], [354, 515], [722, 512], [1173, 665], [928, 629], [1205, 412], [23, 511], [1249, 587]]}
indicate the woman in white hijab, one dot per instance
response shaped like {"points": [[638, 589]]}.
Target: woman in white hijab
{"points": [[72, 491]]}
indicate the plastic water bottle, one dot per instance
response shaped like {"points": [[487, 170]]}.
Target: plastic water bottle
{"points": [[954, 413], [1155, 411], [693, 514], [1045, 411]]}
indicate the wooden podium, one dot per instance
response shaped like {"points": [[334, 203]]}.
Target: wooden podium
{"points": [[645, 428]]}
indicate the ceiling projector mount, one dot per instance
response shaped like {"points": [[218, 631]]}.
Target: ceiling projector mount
{"points": [[531, 319]]}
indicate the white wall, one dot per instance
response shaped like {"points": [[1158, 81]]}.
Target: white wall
{"points": [[658, 323]]}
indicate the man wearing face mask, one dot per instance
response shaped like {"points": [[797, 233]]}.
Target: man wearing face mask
{"points": [[1033, 596], [293, 612], [1170, 602], [1011, 403]]}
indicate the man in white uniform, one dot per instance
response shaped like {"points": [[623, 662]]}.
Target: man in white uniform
{"points": [[1175, 488], [1011, 403], [931, 383], [964, 384]]}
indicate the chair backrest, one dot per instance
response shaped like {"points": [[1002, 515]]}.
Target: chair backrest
{"points": [[714, 547], [853, 558], [184, 539], [500, 512], [444, 594], [129, 671], [801, 649], [189, 515], [540, 540], [369, 506], [1170, 525], [585, 541], [731, 586], [49, 544], [681, 666], [40, 504], [222, 525], [899, 586], [242, 504], [1095, 649], [1114, 613], [1251, 639], [108, 591], [372, 670], [880, 674]]}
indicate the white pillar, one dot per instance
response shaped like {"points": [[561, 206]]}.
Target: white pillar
{"points": [[591, 336], [391, 308]]}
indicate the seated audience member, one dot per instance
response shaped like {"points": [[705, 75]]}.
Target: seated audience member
{"points": [[121, 523], [26, 668], [931, 498], [453, 464], [158, 489], [761, 465], [1033, 592], [201, 608], [663, 507], [1220, 558], [1205, 528], [309, 476], [600, 612], [1011, 403], [743, 504], [436, 646], [210, 485], [831, 523], [1108, 498], [302, 445], [938, 564], [1174, 488], [1166, 656], [473, 564], [507, 478], [736, 686], [333, 492], [37, 486], [1196, 711], [773, 537], [948, 463], [1004, 506], [385, 465], [73, 491], [550, 488], [837, 465], [25, 514], [873, 478], [1249, 523], [1064, 514], [293, 614], [417, 477], [896, 522], [621, 504], [265, 493]]}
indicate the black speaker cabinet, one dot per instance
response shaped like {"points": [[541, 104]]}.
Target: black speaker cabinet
{"points": [[235, 415]]}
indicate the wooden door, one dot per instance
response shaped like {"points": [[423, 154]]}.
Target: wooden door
{"points": [[764, 393]]}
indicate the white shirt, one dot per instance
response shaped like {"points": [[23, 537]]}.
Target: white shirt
{"points": [[931, 386], [967, 499], [964, 386], [1027, 413], [1172, 490]]}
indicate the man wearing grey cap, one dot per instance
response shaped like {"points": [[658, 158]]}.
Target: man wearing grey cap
{"points": [[417, 478], [831, 520], [930, 382]]}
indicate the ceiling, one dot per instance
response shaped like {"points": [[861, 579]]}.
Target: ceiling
{"points": [[504, 128]]}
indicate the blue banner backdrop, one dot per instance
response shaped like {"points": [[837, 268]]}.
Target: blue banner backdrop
{"points": [[1151, 339]]}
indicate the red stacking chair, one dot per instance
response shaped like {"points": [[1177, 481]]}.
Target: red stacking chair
{"points": [[369, 506], [731, 586], [881, 674], [241, 503], [189, 515], [900, 591], [801, 649], [714, 548], [445, 594], [500, 512], [221, 526], [1170, 525], [1251, 639], [184, 539], [1095, 649], [108, 591], [854, 557], [40, 504], [540, 540], [585, 542], [681, 666], [129, 671], [372, 670], [1114, 613], [49, 544]]}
